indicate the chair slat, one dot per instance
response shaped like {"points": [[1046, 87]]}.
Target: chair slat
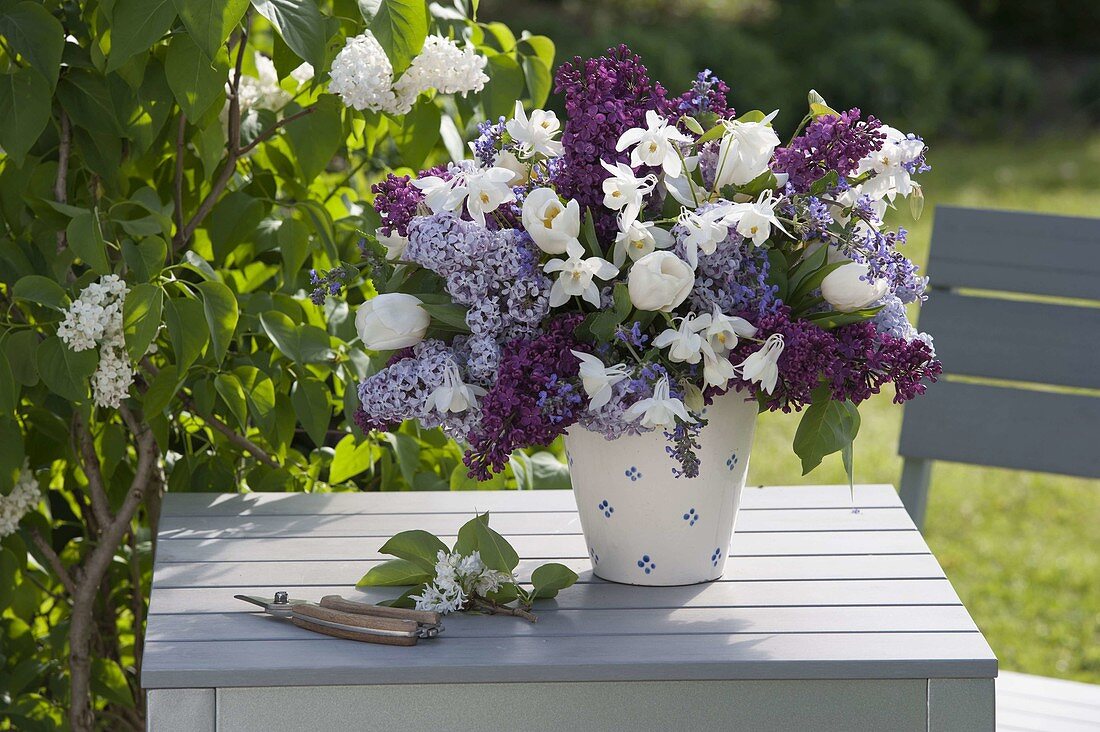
{"points": [[1016, 252], [1013, 340], [1008, 428]]}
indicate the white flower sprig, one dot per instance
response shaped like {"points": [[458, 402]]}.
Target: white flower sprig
{"points": [[23, 497], [95, 319]]}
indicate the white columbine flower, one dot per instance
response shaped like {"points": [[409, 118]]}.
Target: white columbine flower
{"points": [[637, 239], [724, 330], [598, 379], [745, 151], [761, 366], [394, 243], [576, 278], [486, 190], [443, 66], [888, 163], [535, 135], [684, 344], [659, 410], [624, 191], [654, 146], [362, 75], [441, 194], [755, 220], [454, 395], [552, 225], [24, 496], [717, 368], [704, 231]]}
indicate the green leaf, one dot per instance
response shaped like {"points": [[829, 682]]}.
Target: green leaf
{"points": [[352, 457], [395, 573], [41, 291], [311, 402], [549, 579], [299, 343], [196, 82], [452, 315], [145, 259], [316, 137], [810, 263], [827, 426], [9, 389], [86, 97], [209, 22], [229, 388], [141, 318], [37, 36], [548, 472], [416, 546], [187, 337], [588, 234], [401, 27], [20, 347], [505, 85], [135, 26], [161, 389], [293, 240], [12, 452], [407, 451], [66, 372], [234, 221], [467, 542], [495, 550], [86, 240], [824, 183], [830, 320], [199, 266], [25, 110], [417, 132], [539, 47], [221, 311], [300, 24], [606, 321], [539, 79], [109, 681]]}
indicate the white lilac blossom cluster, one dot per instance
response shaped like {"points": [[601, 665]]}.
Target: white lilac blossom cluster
{"points": [[363, 76], [23, 497], [459, 578], [93, 320], [621, 281]]}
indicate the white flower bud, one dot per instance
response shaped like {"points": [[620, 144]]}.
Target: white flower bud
{"points": [[391, 321], [844, 289], [660, 281]]}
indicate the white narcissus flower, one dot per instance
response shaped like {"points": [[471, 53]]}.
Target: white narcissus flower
{"points": [[394, 243], [655, 146], [755, 220], [745, 151], [849, 287], [535, 135], [576, 278], [454, 395], [598, 379], [684, 344], [486, 190], [704, 231], [624, 191], [891, 164], [390, 321], [552, 225], [660, 281], [762, 366], [659, 410], [724, 330], [637, 239]]}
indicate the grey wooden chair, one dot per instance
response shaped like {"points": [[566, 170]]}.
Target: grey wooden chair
{"points": [[1003, 349]]}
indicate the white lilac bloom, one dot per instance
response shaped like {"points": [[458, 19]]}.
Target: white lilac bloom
{"points": [[723, 331], [443, 597], [486, 190], [261, 91], [745, 151], [598, 379], [23, 497], [659, 410], [762, 366], [655, 146], [703, 231], [576, 278], [849, 287], [443, 66], [95, 319], [362, 75], [637, 239], [535, 135], [624, 191], [394, 243], [891, 165], [554, 226], [454, 395], [684, 343], [755, 220], [660, 281]]}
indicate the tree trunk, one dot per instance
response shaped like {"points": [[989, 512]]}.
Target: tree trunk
{"points": [[81, 717]]}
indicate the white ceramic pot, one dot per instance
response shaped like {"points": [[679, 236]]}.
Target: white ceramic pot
{"points": [[643, 525]]}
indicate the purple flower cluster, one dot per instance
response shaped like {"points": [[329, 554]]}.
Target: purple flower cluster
{"points": [[829, 143], [489, 142], [683, 448], [395, 200], [328, 283], [400, 391], [879, 251], [707, 95], [531, 402], [604, 97]]}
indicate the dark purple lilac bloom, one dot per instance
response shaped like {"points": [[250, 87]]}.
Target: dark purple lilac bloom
{"points": [[396, 200], [829, 143], [604, 97], [706, 95]]}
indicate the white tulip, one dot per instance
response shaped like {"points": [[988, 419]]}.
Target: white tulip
{"points": [[660, 281], [637, 239], [535, 135], [552, 225], [848, 287], [655, 145], [762, 366], [598, 379], [576, 278], [391, 321], [659, 410], [745, 151]]}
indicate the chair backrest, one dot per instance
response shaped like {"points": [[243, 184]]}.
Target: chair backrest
{"points": [[1022, 376]]}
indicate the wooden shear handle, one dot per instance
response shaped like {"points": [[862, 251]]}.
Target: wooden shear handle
{"points": [[362, 608], [316, 618]]}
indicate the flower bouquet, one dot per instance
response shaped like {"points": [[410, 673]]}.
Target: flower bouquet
{"points": [[643, 279]]}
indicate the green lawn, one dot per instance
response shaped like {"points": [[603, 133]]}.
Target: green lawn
{"points": [[1022, 549]]}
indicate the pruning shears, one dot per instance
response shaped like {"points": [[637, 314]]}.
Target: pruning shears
{"points": [[360, 621]]}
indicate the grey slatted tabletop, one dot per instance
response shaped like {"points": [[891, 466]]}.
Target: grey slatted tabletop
{"points": [[827, 618]]}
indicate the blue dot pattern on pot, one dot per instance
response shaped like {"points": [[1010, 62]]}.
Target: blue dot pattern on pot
{"points": [[595, 557], [606, 507], [716, 556], [633, 473], [646, 564], [691, 517], [731, 461]]}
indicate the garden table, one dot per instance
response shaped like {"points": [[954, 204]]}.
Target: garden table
{"points": [[827, 619]]}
